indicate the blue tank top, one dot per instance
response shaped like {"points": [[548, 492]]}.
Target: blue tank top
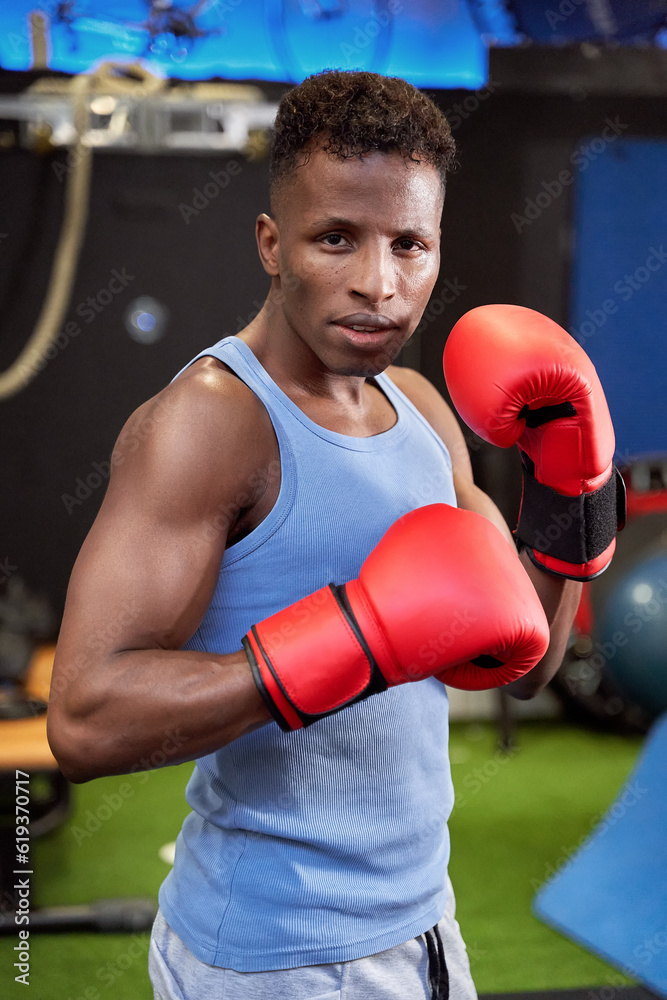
{"points": [[329, 843]]}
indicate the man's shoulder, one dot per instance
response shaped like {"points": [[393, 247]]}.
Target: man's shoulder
{"points": [[210, 383], [419, 390], [431, 404]]}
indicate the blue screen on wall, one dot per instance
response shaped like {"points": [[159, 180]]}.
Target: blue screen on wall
{"points": [[619, 285], [431, 43]]}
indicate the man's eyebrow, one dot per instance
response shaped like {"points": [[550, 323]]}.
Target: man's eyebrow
{"points": [[337, 222], [332, 222]]}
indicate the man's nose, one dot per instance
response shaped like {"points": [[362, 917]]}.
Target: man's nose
{"points": [[373, 275]]}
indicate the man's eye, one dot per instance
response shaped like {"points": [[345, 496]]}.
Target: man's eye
{"points": [[408, 244], [333, 239]]}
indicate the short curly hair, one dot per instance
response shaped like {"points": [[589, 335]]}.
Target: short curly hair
{"points": [[347, 113]]}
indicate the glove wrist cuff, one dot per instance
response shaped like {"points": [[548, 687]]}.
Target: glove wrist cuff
{"points": [[575, 530], [311, 660]]}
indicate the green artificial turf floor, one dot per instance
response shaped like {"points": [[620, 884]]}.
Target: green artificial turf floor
{"points": [[518, 817]]}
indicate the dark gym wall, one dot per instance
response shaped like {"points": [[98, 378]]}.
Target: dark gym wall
{"points": [[60, 430], [207, 273]]}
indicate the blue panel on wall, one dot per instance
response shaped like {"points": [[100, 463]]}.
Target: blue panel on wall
{"points": [[432, 43], [619, 285], [589, 20]]}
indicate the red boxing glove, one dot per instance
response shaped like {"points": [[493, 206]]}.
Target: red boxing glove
{"points": [[442, 594], [515, 376]]}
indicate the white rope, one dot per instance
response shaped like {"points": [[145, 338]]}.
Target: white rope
{"points": [[77, 196]]}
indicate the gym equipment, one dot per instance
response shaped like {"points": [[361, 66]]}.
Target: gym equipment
{"points": [[615, 665], [631, 632], [24, 619], [23, 746], [610, 897]]}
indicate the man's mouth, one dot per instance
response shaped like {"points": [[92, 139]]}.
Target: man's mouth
{"points": [[366, 323]]}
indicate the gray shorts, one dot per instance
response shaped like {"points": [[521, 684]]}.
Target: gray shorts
{"points": [[405, 972]]}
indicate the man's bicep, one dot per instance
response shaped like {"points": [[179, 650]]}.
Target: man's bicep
{"points": [[140, 582], [149, 566]]}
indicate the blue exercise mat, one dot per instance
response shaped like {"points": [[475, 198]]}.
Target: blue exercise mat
{"points": [[611, 896]]}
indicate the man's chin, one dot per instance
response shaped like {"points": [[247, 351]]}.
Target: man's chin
{"points": [[368, 371], [372, 364]]}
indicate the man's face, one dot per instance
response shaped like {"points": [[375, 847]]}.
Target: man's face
{"points": [[358, 245]]}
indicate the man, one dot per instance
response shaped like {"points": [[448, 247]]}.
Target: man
{"points": [[314, 861]]}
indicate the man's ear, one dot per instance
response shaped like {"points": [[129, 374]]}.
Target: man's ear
{"points": [[267, 235]]}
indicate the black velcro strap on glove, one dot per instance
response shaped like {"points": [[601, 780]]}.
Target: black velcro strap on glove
{"points": [[543, 414], [376, 684], [573, 529]]}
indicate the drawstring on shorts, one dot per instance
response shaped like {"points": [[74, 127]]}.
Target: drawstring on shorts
{"points": [[437, 965]]}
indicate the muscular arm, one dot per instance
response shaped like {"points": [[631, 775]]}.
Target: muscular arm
{"points": [[187, 462], [559, 597]]}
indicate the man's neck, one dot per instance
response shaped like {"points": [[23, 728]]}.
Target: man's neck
{"points": [[293, 365], [348, 404]]}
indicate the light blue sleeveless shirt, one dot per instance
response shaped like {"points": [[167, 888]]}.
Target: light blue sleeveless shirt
{"points": [[329, 843]]}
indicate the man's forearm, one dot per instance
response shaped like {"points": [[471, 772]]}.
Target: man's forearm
{"points": [[560, 600], [156, 707], [559, 596]]}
